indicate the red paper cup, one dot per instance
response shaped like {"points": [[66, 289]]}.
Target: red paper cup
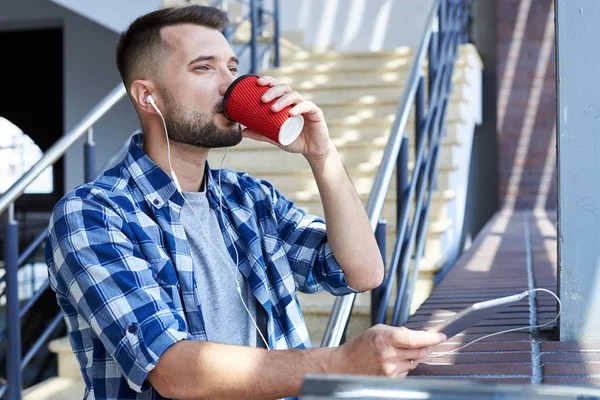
{"points": [[242, 103]]}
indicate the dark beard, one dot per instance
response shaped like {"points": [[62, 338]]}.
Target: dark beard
{"points": [[196, 128]]}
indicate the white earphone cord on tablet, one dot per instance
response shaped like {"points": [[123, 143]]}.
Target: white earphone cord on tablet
{"points": [[433, 355]]}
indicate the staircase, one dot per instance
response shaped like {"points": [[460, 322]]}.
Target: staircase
{"points": [[358, 93]]}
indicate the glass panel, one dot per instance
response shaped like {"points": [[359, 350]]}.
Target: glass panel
{"points": [[18, 153]]}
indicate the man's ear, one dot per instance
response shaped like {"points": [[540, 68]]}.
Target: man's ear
{"points": [[140, 90]]}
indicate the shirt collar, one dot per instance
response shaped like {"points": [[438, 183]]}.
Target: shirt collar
{"points": [[156, 185]]}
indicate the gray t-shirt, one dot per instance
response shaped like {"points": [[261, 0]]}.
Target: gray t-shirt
{"points": [[225, 317]]}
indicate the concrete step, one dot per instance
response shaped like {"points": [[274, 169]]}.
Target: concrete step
{"points": [[68, 367], [376, 141], [328, 55], [374, 96], [57, 388], [349, 78], [68, 385], [341, 114], [313, 205], [313, 64], [348, 132], [293, 183], [352, 157]]}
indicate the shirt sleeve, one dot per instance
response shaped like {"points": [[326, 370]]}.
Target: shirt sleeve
{"points": [[96, 269], [304, 239]]}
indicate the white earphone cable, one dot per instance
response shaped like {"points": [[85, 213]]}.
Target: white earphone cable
{"points": [[434, 355], [231, 271]]}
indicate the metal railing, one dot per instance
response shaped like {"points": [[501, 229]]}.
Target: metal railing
{"points": [[15, 363], [259, 17], [446, 28]]}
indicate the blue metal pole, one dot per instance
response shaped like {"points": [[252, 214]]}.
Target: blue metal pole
{"points": [[261, 19], [277, 60], [401, 200], [419, 114], [13, 323], [401, 179], [443, 21], [377, 293], [253, 39], [90, 157]]}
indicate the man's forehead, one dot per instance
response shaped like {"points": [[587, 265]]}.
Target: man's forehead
{"points": [[187, 40]]}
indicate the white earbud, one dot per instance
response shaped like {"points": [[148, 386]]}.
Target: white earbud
{"points": [[150, 100]]}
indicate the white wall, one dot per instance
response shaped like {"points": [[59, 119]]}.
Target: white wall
{"points": [[89, 74], [356, 25], [115, 15]]}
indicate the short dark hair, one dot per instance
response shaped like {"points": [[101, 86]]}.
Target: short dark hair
{"points": [[141, 43]]}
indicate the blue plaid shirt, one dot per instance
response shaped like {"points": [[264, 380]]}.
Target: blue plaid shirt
{"points": [[121, 267]]}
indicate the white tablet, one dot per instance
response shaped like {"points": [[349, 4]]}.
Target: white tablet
{"points": [[474, 314]]}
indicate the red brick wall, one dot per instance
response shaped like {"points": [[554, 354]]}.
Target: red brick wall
{"points": [[526, 103]]}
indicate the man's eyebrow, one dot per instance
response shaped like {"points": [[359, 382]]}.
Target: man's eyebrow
{"points": [[210, 58], [201, 58]]}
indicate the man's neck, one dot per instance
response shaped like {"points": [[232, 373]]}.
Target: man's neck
{"points": [[188, 161]]}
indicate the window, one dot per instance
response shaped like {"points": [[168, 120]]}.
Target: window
{"points": [[18, 153]]}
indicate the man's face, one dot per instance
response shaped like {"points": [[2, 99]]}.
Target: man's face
{"points": [[196, 74]]}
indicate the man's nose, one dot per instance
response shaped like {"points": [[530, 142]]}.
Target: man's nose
{"points": [[226, 80]]}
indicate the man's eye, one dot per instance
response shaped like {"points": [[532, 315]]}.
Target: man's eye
{"points": [[202, 68], [233, 69]]}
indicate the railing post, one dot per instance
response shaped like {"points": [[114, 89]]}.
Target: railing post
{"points": [[443, 21], [261, 19], [277, 60], [419, 114], [433, 55], [13, 323], [253, 39], [90, 156], [377, 293], [401, 200], [401, 179]]}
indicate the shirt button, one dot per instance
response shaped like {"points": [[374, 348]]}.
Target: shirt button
{"points": [[132, 329], [156, 202]]}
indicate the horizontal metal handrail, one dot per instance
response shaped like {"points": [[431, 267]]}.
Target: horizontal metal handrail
{"points": [[62, 146], [343, 305]]}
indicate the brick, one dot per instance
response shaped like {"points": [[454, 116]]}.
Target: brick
{"points": [[571, 357], [482, 379], [496, 347], [564, 369], [481, 358], [571, 381], [569, 346], [480, 369]]}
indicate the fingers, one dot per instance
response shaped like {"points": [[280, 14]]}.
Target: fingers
{"points": [[286, 100], [275, 92], [408, 339], [267, 81], [248, 133], [411, 354], [398, 368]]}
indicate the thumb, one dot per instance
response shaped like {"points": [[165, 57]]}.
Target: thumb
{"points": [[408, 339]]}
